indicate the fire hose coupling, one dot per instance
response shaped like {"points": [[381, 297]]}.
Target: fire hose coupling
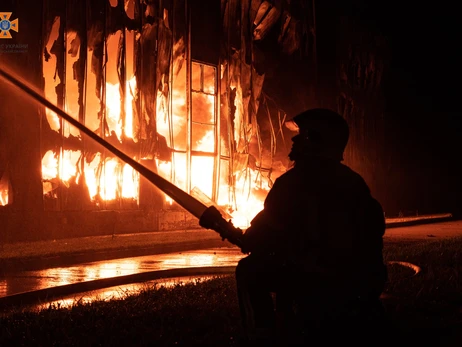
{"points": [[212, 219]]}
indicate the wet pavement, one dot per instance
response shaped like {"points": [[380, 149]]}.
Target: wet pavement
{"points": [[87, 281], [107, 279], [59, 276]]}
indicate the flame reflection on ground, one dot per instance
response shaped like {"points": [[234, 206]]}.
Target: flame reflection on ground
{"points": [[23, 281]]}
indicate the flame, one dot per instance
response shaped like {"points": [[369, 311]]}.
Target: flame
{"points": [[249, 198], [119, 179], [109, 178], [90, 170], [68, 168], [202, 167], [113, 108], [239, 113], [242, 194], [49, 165], [108, 181], [3, 193], [250, 188], [69, 165], [50, 77], [130, 182], [201, 174]]}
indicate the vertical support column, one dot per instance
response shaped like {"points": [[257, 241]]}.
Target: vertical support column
{"points": [[216, 166], [188, 97]]}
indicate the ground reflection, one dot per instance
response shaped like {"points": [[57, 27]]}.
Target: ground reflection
{"points": [[34, 280], [195, 260]]}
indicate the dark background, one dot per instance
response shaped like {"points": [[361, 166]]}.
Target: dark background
{"points": [[422, 100], [421, 170]]}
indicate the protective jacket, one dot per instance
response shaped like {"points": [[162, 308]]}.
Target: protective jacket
{"points": [[320, 217]]}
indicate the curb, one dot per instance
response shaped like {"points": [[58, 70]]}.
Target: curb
{"points": [[402, 222]]}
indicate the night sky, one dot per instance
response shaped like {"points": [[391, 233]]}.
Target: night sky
{"points": [[423, 90], [425, 67]]}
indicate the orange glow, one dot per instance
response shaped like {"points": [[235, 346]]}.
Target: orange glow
{"points": [[109, 178], [247, 201], [91, 175], [49, 165], [69, 165], [51, 78], [3, 194], [191, 135], [114, 119], [244, 203], [68, 168], [117, 179]]}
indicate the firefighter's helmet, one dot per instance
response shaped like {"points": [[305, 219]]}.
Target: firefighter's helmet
{"points": [[324, 132]]}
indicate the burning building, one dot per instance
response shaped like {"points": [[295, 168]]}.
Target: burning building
{"points": [[197, 91]]}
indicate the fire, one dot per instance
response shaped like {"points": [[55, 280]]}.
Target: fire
{"points": [[249, 199], [49, 165], [63, 165], [201, 175], [107, 178], [3, 193], [69, 165], [118, 179], [112, 178], [108, 181], [91, 175], [114, 117], [249, 189], [190, 134], [130, 182]]}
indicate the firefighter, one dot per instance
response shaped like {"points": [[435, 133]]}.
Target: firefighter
{"points": [[317, 242]]}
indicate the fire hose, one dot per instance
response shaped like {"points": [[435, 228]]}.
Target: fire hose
{"points": [[209, 217]]}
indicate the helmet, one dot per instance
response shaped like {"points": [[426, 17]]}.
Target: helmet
{"points": [[324, 132]]}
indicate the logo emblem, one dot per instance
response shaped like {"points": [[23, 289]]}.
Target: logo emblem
{"points": [[6, 25]]}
